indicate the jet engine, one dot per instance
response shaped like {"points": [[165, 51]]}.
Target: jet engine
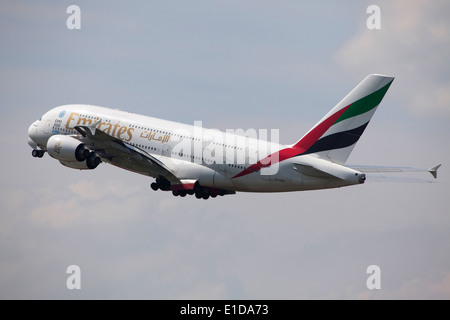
{"points": [[67, 149]]}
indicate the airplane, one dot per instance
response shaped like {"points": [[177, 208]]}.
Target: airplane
{"points": [[191, 160]]}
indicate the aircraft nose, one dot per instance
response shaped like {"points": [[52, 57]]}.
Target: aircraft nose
{"points": [[33, 130]]}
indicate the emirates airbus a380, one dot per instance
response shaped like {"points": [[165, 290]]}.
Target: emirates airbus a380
{"points": [[191, 160]]}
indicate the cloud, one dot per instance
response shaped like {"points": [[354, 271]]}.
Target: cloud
{"points": [[56, 214], [95, 190], [441, 288], [413, 45]]}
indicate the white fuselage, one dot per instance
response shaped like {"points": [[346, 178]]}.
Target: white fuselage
{"points": [[215, 159]]}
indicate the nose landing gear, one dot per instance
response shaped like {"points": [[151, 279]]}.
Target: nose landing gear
{"points": [[37, 153]]}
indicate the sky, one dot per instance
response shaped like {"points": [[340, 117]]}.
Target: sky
{"points": [[230, 64]]}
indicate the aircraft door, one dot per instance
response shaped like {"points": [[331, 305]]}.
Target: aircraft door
{"points": [[47, 127], [166, 150]]}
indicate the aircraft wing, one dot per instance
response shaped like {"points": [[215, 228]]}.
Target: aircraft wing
{"points": [[122, 154], [385, 169]]}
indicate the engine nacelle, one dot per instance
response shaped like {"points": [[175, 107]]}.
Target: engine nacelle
{"points": [[66, 148], [75, 165]]}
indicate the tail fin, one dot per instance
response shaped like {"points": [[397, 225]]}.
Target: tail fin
{"points": [[334, 137]]}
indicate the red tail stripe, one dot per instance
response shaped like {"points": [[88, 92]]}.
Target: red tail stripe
{"points": [[308, 140], [304, 144]]}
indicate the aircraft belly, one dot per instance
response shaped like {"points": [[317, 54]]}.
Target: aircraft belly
{"points": [[256, 182]]}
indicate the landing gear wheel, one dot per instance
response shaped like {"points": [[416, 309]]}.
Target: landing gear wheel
{"points": [[154, 186], [37, 153]]}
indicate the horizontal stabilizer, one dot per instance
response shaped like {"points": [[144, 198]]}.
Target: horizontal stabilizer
{"points": [[386, 169], [389, 178]]}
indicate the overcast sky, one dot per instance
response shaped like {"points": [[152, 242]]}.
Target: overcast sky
{"points": [[231, 64]]}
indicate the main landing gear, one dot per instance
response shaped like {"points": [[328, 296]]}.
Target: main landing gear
{"points": [[199, 191], [37, 153]]}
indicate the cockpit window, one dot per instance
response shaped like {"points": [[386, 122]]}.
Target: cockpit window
{"points": [[40, 119]]}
